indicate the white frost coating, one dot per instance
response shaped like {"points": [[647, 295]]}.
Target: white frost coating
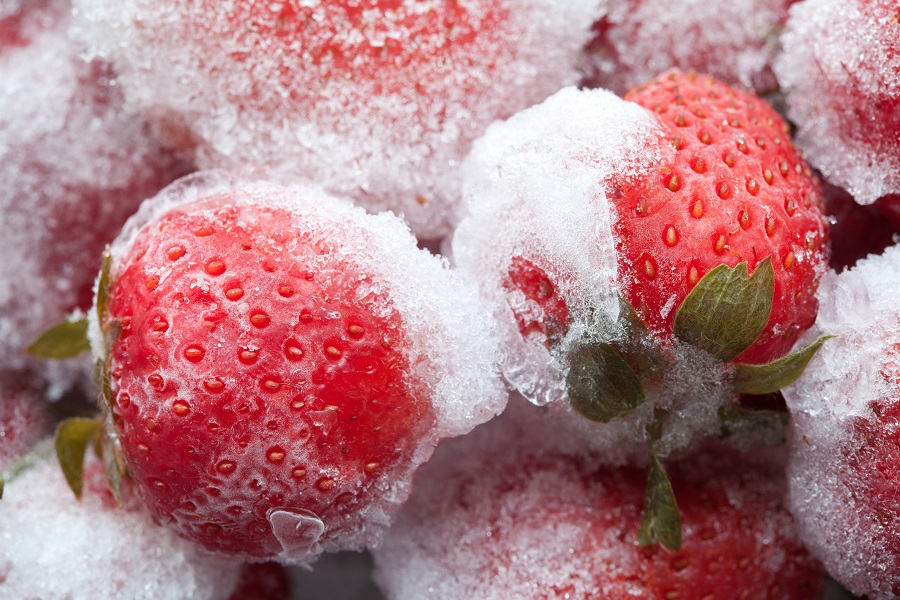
{"points": [[535, 188], [246, 98], [517, 511], [298, 531], [733, 41], [54, 547], [840, 70], [828, 404], [73, 166]]}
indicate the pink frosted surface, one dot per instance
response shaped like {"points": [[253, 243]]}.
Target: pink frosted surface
{"points": [[840, 70]]}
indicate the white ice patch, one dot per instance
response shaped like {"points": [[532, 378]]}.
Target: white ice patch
{"points": [[54, 547], [298, 530], [392, 143]]}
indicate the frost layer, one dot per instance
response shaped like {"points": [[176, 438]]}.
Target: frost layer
{"points": [[840, 70], [54, 547], [376, 100], [844, 478]]}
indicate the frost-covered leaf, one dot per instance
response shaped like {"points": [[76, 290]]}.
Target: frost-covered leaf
{"points": [[72, 438], [661, 521], [771, 377], [600, 383]]}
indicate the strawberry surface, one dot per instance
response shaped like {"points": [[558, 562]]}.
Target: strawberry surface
{"points": [[255, 370], [376, 100], [839, 74], [270, 386], [844, 479], [537, 523], [736, 191]]}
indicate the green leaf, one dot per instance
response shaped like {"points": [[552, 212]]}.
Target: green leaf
{"points": [[72, 438], [662, 520], [64, 340], [771, 377], [727, 309], [600, 383], [1, 485], [103, 285], [113, 464]]}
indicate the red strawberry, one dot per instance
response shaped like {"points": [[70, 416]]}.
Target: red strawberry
{"points": [[666, 258], [839, 71], [736, 191], [539, 524], [269, 380]]}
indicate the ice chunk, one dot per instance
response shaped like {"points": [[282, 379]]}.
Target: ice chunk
{"points": [[73, 166], [733, 41], [504, 514], [378, 100], [54, 547], [844, 476], [840, 70]]}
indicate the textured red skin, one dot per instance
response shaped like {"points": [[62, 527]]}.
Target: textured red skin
{"points": [[873, 457], [782, 219], [313, 431]]}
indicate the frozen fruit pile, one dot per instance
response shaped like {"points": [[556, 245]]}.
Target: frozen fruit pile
{"points": [[262, 260]]}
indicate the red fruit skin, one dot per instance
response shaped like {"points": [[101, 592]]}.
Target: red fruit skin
{"points": [[737, 191], [256, 371]]}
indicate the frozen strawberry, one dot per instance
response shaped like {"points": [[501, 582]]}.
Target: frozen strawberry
{"points": [[377, 100], [648, 260], [280, 362], [839, 70], [58, 548], [503, 514], [73, 166], [735, 42], [844, 479]]}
